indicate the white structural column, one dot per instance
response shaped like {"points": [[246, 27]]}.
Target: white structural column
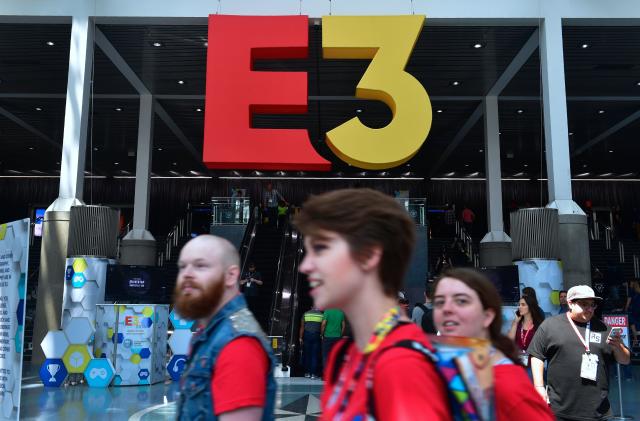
{"points": [[76, 116], [495, 247], [572, 234], [138, 246]]}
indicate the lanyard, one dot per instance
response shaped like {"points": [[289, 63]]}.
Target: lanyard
{"points": [[524, 336], [584, 341], [380, 332]]}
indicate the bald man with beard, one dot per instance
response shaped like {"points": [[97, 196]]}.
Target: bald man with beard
{"points": [[229, 372]]}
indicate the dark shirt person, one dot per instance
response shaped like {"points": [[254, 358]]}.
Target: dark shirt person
{"points": [[229, 371], [579, 351]]}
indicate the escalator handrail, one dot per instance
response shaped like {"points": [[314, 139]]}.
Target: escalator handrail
{"points": [[246, 246], [294, 316], [278, 286]]}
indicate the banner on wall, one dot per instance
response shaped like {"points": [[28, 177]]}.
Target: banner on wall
{"points": [[545, 276], [14, 255]]}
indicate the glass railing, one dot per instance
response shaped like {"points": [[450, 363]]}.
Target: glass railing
{"points": [[416, 207], [230, 210]]}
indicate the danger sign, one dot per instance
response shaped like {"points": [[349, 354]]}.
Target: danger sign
{"points": [[621, 321]]}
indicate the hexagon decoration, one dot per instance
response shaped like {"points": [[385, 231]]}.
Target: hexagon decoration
{"points": [[117, 380], [53, 372], [78, 280], [146, 322], [22, 292], [76, 358], [117, 338], [147, 311], [135, 358], [68, 273], [144, 376], [178, 322], [145, 353], [54, 344], [99, 372], [179, 341], [79, 265], [20, 312], [79, 330], [176, 366]]}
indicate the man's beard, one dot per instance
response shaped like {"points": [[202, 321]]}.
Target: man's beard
{"points": [[201, 306]]}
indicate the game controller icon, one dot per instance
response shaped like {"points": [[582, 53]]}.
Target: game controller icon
{"points": [[98, 372]]}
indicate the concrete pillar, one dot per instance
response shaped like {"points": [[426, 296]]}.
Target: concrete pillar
{"points": [[495, 247], [572, 234], [138, 247], [55, 229]]}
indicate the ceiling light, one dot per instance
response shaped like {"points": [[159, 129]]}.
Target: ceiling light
{"points": [[449, 174], [455, 83], [116, 163], [159, 149], [174, 163], [383, 173], [118, 109], [199, 110], [57, 162], [499, 133], [466, 165], [638, 83], [610, 150], [585, 46], [584, 174], [409, 165], [31, 148], [526, 165], [438, 111], [206, 44], [181, 82], [38, 108], [519, 174], [194, 172], [95, 148], [584, 165], [474, 174], [520, 111], [478, 45], [607, 174], [157, 44], [358, 110], [480, 150], [629, 174], [570, 133], [51, 43], [600, 111]]}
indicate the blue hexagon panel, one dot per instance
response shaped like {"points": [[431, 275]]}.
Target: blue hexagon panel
{"points": [[99, 372], [176, 366], [119, 337], [178, 322], [78, 280], [53, 372], [143, 375], [68, 274], [145, 353], [20, 312]]}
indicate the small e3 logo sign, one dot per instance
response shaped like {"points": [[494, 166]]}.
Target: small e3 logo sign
{"points": [[234, 92]]}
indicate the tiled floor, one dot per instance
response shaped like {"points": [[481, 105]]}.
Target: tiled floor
{"points": [[297, 400]]}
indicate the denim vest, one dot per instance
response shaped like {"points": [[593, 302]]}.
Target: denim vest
{"points": [[232, 321]]}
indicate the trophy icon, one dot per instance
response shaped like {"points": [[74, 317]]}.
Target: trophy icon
{"points": [[53, 369]]}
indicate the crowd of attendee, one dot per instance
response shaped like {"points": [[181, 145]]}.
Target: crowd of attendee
{"points": [[387, 367]]}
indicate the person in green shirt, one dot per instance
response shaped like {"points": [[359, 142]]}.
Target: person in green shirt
{"points": [[331, 330]]}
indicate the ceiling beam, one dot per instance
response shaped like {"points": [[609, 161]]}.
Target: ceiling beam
{"points": [[20, 122], [607, 133], [512, 69], [124, 68]]}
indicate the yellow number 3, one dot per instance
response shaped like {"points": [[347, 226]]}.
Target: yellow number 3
{"points": [[388, 41]]}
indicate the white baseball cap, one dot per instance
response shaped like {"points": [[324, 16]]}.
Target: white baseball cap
{"points": [[579, 292]]}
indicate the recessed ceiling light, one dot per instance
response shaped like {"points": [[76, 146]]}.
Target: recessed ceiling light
{"points": [[194, 172], [181, 82], [520, 111], [584, 174], [610, 150], [31, 148], [57, 162], [637, 83], [585, 45], [478, 45], [409, 165], [159, 149], [38, 108], [116, 163], [584, 165], [174, 163], [118, 109], [466, 165], [499, 133], [526, 165], [450, 174], [199, 110], [607, 174], [51, 43], [438, 111], [600, 111], [95, 148], [206, 44], [157, 44], [480, 150], [359, 110], [570, 133], [455, 83]]}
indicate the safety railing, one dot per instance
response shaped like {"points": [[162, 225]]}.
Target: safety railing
{"points": [[172, 239], [636, 266], [274, 311], [469, 250], [230, 210], [416, 207]]}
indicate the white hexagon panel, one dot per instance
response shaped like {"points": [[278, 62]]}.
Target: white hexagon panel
{"points": [[79, 330], [54, 344], [179, 341]]}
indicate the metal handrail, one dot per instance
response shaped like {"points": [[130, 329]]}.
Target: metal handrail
{"points": [[278, 285], [247, 244], [293, 327], [636, 266]]}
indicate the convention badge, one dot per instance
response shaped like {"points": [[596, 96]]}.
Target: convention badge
{"points": [[589, 367], [595, 337]]}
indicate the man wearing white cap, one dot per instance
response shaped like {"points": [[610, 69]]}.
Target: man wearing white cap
{"points": [[579, 350]]}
